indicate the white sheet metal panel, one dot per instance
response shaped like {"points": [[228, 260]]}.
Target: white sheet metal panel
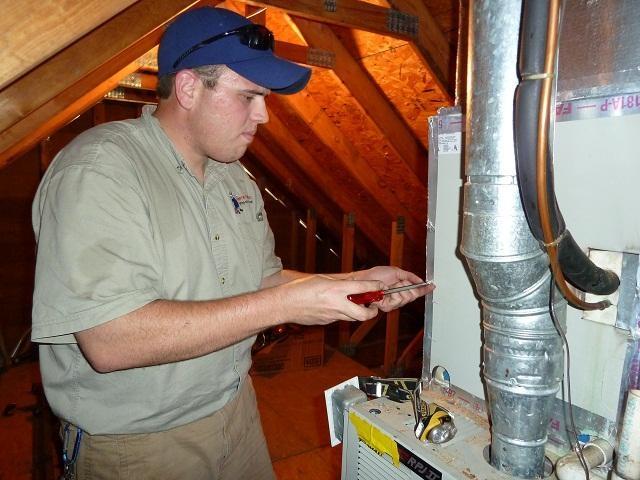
{"points": [[597, 171], [455, 342], [597, 176]]}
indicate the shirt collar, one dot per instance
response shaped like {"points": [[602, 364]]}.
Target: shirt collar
{"points": [[214, 171]]}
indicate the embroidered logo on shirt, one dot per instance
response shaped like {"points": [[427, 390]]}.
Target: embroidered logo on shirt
{"points": [[238, 200], [259, 216], [236, 204]]}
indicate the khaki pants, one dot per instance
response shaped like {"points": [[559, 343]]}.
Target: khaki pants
{"points": [[228, 445]]}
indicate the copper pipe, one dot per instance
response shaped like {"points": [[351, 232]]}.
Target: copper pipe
{"points": [[542, 150]]}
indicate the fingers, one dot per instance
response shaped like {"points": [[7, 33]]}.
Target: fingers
{"points": [[391, 276], [397, 300]]}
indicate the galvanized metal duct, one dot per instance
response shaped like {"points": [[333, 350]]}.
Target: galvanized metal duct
{"points": [[522, 351]]}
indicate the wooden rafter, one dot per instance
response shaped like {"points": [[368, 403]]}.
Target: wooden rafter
{"points": [[296, 53], [364, 171], [268, 155], [34, 30], [429, 41], [140, 80], [348, 13], [431, 44], [372, 100], [315, 57], [373, 228], [275, 160], [76, 71], [52, 116]]}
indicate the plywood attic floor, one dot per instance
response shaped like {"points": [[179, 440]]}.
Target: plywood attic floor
{"points": [[291, 404]]}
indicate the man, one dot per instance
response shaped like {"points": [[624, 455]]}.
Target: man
{"points": [[156, 269]]}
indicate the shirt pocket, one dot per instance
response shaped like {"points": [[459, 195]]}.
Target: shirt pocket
{"points": [[251, 246]]}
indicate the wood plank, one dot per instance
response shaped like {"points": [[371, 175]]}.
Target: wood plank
{"points": [[373, 228], [294, 239], [298, 437], [315, 57], [346, 266], [52, 116], [291, 51], [362, 331], [390, 123], [25, 106], [64, 70], [364, 171], [274, 158], [276, 162], [140, 81], [432, 45], [322, 463], [310, 243], [426, 36], [348, 13], [414, 348], [393, 317], [34, 30], [348, 242]]}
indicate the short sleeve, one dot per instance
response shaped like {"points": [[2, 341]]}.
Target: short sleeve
{"points": [[96, 256]]}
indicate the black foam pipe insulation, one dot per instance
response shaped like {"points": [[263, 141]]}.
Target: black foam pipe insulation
{"points": [[576, 266]]}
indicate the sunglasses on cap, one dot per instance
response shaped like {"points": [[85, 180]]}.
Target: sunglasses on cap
{"points": [[256, 37]]}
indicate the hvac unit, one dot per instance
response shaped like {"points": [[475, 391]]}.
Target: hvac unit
{"points": [[597, 172]]}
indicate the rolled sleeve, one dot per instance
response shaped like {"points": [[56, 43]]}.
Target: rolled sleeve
{"points": [[96, 255]]}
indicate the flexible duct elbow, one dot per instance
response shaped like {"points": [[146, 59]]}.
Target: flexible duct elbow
{"points": [[581, 272]]}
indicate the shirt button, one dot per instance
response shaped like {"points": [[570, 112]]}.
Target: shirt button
{"points": [[217, 237], [222, 280]]}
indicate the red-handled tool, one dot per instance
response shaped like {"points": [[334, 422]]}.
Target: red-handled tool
{"points": [[377, 295]]}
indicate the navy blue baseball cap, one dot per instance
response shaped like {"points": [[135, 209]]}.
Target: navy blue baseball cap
{"points": [[215, 36]]}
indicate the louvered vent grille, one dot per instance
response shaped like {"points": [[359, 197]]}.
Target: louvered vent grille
{"points": [[372, 466]]}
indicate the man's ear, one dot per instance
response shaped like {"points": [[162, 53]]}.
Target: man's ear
{"points": [[186, 85]]}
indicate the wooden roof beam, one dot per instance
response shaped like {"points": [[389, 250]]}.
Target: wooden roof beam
{"points": [[394, 202], [34, 30], [25, 106], [409, 20], [140, 80], [267, 159], [52, 116], [374, 228], [276, 161], [431, 44], [315, 57], [373, 102]]}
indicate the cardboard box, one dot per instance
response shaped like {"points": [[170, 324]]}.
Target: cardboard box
{"points": [[301, 349]]}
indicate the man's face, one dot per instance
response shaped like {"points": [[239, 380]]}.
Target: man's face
{"points": [[225, 118]]}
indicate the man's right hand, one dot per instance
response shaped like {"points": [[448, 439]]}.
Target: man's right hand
{"points": [[320, 299]]}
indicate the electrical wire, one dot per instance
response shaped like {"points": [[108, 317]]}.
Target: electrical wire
{"points": [[565, 344]]}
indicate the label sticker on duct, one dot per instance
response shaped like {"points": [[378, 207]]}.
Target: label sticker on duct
{"points": [[449, 142], [418, 465]]}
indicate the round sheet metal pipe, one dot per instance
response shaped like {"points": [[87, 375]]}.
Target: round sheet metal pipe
{"points": [[522, 352]]}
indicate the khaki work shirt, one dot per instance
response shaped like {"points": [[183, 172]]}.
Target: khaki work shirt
{"points": [[121, 222]]}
